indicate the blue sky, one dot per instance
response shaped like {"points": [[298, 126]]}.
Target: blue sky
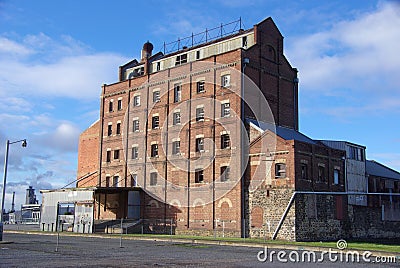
{"points": [[55, 55]]}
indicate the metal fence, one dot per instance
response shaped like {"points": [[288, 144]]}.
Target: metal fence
{"points": [[138, 226]]}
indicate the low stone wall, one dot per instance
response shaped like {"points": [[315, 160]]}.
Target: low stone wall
{"points": [[366, 223], [316, 219], [210, 233]]}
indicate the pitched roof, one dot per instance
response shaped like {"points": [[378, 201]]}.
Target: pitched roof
{"points": [[377, 169], [283, 132]]}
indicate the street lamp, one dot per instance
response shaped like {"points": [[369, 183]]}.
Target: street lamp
{"points": [[24, 144]]}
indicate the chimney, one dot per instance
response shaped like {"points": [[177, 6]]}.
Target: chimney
{"points": [[13, 203], [146, 50], [146, 54], [30, 196]]}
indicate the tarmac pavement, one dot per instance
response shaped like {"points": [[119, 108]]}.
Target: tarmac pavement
{"points": [[41, 250]]}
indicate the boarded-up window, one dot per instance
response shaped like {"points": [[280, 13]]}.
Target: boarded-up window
{"points": [[257, 214], [311, 206], [225, 213], [339, 207]]}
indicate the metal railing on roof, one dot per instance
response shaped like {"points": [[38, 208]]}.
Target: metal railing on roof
{"points": [[204, 37]]}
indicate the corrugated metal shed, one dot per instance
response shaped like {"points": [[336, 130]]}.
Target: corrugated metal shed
{"points": [[51, 199]]}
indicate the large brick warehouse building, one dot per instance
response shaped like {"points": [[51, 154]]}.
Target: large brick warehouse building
{"points": [[206, 137]]}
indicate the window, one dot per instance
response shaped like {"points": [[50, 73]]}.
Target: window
{"points": [[180, 59], [110, 106], [153, 178], [226, 80], [198, 176], [321, 174], [176, 120], [200, 114], [225, 109], [176, 147], [177, 92], [136, 101], [135, 152], [119, 104], [356, 153], [155, 122], [118, 128], [154, 150], [108, 157], [133, 180], [336, 176], [225, 141], [200, 86], [135, 125], [109, 130], [225, 173], [244, 41], [156, 96], [115, 181], [304, 171], [280, 170], [197, 54], [140, 71], [108, 181], [158, 66], [116, 154], [199, 144]]}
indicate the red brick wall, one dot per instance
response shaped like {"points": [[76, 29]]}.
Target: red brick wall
{"points": [[272, 73], [88, 155], [269, 70]]}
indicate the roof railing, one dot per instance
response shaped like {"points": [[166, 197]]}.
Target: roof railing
{"points": [[203, 37]]}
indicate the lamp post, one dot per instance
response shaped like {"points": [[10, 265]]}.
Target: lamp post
{"points": [[4, 183]]}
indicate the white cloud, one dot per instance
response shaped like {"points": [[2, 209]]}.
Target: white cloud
{"points": [[64, 138], [65, 68], [6, 117], [374, 107], [359, 54], [10, 47]]}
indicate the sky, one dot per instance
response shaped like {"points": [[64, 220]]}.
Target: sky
{"points": [[55, 55]]}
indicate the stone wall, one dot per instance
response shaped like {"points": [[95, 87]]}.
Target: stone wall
{"points": [[366, 223], [318, 217], [266, 208], [219, 232]]}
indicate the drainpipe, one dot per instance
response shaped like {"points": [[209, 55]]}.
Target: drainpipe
{"points": [[242, 136]]}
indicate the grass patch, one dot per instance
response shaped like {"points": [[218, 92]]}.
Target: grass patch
{"points": [[386, 246], [185, 245], [372, 246]]}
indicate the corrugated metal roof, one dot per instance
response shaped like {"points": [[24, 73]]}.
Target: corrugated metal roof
{"points": [[340, 144], [377, 169], [283, 132]]}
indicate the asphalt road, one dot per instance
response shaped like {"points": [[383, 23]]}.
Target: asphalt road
{"points": [[37, 250]]}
